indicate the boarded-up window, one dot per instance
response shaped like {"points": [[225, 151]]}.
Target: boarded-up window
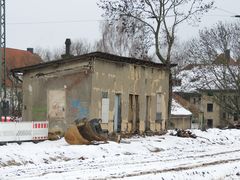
{"points": [[105, 110], [104, 94], [56, 104], [159, 106]]}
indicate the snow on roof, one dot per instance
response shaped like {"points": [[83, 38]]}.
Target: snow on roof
{"points": [[206, 77], [177, 109]]}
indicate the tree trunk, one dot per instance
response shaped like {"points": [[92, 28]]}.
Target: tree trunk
{"points": [[170, 98]]}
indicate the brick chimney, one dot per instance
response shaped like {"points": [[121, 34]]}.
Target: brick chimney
{"points": [[227, 55], [68, 48], [30, 50]]}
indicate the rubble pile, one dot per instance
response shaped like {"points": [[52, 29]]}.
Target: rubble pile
{"points": [[183, 133]]}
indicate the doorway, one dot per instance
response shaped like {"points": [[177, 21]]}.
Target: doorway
{"points": [[147, 118], [210, 123], [133, 112], [117, 114], [56, 104]]}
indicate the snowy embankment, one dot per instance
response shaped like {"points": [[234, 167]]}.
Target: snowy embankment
{"points": [[212, 155]]}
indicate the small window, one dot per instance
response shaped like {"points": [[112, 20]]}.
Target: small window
{"points": [[159, 110], [210, 93], [209, 107], [224, 115], [194, 100], [104, 94], [235, 117], [158, 117], [176, 82], [224, 98]]}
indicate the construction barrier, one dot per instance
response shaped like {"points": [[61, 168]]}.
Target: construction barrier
{"points": [[40, 130], [7, 119], [23, 131]]}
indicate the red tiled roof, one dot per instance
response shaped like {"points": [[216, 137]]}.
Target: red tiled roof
{"points": [[221, 59], [16, 58]]}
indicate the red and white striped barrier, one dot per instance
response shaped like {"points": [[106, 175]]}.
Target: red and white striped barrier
{"points": [[23, 131], [7, 119], [40, 130]]}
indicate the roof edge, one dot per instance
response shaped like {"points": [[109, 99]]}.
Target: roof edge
{"points": [[97, 54]]}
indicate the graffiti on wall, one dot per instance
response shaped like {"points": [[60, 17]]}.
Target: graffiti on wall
{"points": [[79, 109], [39, 113]]}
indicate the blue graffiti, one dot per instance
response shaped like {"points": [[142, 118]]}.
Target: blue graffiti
{"points": [[75, 103], [79, 108]]}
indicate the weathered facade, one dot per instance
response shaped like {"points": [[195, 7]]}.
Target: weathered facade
{"points": [[207, 109], [214, 111], [127, 94], [211, 91]]}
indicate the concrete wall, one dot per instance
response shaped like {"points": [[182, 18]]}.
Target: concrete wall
{"points": [[63, 93], [59, 94], [125, 79]]}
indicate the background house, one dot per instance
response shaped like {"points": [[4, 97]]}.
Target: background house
{"points": [[210, 92], [127, 94], [16, 58]]}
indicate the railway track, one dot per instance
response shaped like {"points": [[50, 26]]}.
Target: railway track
{"points": [[123, 166]]}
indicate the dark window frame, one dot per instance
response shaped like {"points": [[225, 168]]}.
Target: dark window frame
{"points": [[209, 107]]}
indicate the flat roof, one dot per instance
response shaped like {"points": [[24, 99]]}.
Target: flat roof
{"points": [[99, 55]]}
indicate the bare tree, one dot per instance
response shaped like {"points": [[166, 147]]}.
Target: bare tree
{"points": [[214, 41], [117, 41], [48, 54], [78, 47], [221, 73], [160, 18]]}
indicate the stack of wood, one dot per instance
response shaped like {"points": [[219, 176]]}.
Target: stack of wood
{"points": [[184, 133]]}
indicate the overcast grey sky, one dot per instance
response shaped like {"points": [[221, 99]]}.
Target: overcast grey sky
{"points": [[47, 23]]}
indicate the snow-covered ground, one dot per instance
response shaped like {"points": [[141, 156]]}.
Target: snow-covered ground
{"points": [[214, 154]]}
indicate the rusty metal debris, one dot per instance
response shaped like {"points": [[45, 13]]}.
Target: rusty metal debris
{"points": [[85, 131]]}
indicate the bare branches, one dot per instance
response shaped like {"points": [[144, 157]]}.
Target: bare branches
{"points": [[155, 15], [220, 70], [78, 47], [115, 40]]}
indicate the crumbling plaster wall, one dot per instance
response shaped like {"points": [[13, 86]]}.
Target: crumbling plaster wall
{"points": [[73, 80], [125, 79]]}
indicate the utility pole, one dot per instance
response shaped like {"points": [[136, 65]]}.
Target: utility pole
{"points": [[3, 59]]}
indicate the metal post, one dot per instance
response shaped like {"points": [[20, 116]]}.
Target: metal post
{"points": [[3, 58]]}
